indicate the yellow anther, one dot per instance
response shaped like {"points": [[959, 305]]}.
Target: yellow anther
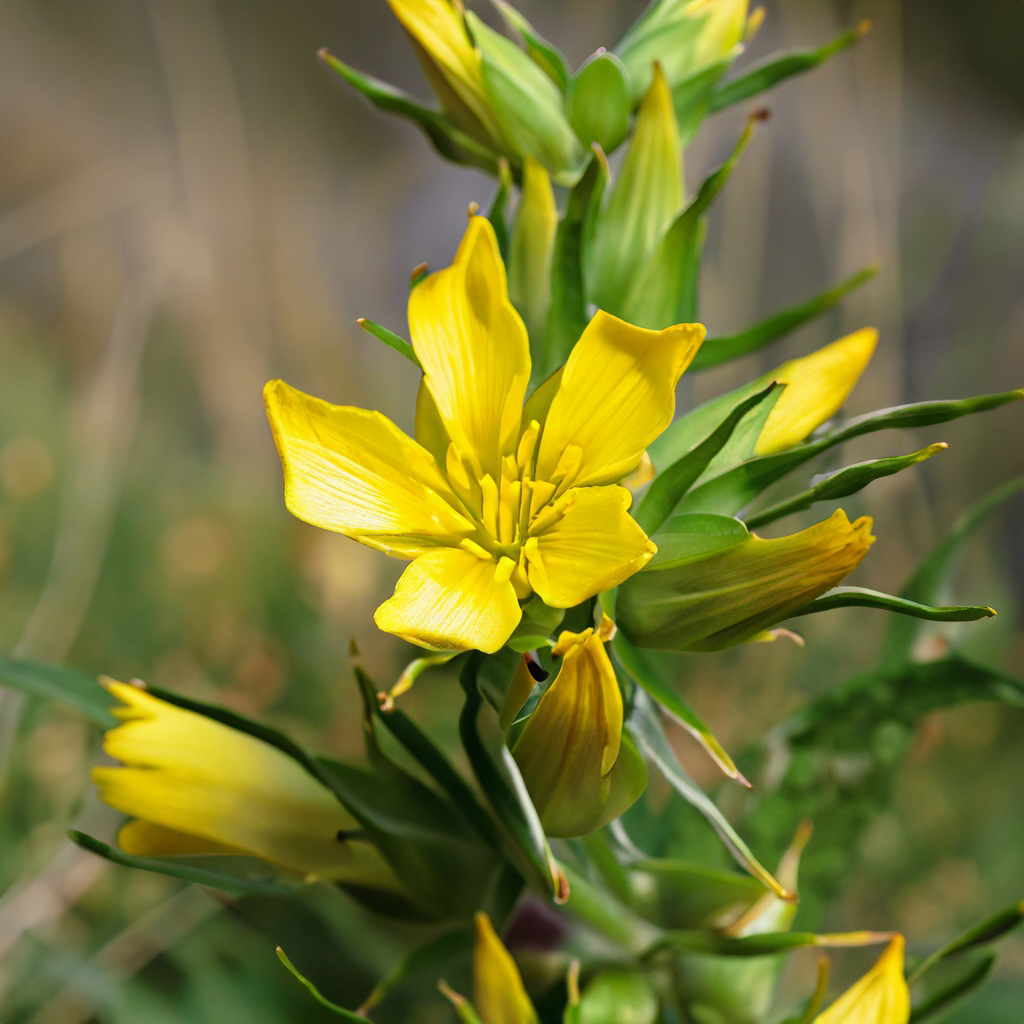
{"points": [[568, 466], [504, 570], [541, 493], [489, 505], [508, 512], [552, 514], [474, 549]]}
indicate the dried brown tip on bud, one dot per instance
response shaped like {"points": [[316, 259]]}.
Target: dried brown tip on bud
{"points": [[561, 889], [473, 209], [324, 54], [418, 273], [385, 701], [359, 323], [865, 27], [761, 114], [535, 668]]}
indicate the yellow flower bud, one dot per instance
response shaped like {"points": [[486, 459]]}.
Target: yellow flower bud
{"points": [[880, 997], [580, 768]]}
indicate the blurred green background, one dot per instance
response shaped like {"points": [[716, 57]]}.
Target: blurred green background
{"points": [[190, 204]]}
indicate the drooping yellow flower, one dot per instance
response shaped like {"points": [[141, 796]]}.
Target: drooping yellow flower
{"points": [[579, 768], [816, 387], [492, 502], [498, 993], [880, 997], [197, 786]]}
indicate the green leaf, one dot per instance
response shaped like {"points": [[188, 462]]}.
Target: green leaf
{"points": [[843, 483], [715, 351], [312, 990], [730, 492], [692, 96], [763, 944], [945, 999], [528, 106], [927, 581], [638, 667], [669, 486], [859, 597], [771, 72], [449, 141], [653, 743], [547, 57], [598, 102], [59, 682], [568, 314], [664, 291], [392, 340], [234, 885], [989, 930], [505, 790]]}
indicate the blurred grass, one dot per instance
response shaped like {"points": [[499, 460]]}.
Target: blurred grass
{"points": [[189, 204]]}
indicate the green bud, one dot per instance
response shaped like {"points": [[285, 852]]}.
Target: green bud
{"points": [[713, 584]]}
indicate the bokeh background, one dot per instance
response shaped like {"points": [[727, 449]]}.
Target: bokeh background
{"points": [[191, 204]]}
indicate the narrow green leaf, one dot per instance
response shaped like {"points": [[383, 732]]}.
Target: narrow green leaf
{"points": [[59, 682], [312, 990], [763, 944], [769, 73], [234, 885], [568, 313], [650, 738], [859, 597], [664, 291], [639, 669], [505, 790], [669, 486], [392, 340], [989, 930], [944, 1000], [448, 140], [730, 492], [498, 214], [925, 584], [715, 351], [598, 102], [547, 57], [843, 483], [692, 96]]}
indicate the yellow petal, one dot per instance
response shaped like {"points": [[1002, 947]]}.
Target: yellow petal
{"points": [[474, 349], [452, 600], [498, 993], [355, 472], [728, 596], [144, 839], [616, 396], [186, 773], [816, 387], [880, 997], [594, 547], [569, 748]]}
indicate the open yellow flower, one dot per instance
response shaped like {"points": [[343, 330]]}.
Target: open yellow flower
{"points": [[492, 502], [880, 997], [199, 787]]}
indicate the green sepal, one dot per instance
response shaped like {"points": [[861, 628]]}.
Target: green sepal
{"points": [[716, 351], [618, 994], [843, 483], [652, 742], [692, 96], [504, 789], [530, 252], [769, 73], [860, 597], [598, 103], [927, 581], [498, 213], [671, 483], [990, 930], [451, 142], [185, 870], [527, 105], [638, 665], [546, 56], [568, 313], [732, 491], [71, 686], [338, 1011], [392, 340], [664, 290]]}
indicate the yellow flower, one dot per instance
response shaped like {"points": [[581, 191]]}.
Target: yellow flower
{"points": [[197, 786], [492, 502], [579, 768], [816, 387], [880, 997], [498, 993]]}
